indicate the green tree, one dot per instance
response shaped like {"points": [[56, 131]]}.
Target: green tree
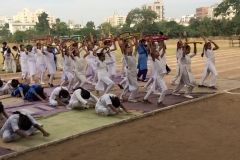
{"points": [[90, 24], [60, 28], [43, 25], [140, 19], [227, 7]]}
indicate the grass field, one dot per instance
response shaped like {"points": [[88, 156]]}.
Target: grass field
{"points": [[171, 47]]}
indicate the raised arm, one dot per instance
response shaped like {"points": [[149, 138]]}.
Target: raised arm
{"points": [[216, 47]]}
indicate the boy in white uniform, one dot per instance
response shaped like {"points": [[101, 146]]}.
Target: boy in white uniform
{"points": [[8, 55], [82, 99], [59, 96], [160, 71], [109, 104], [8, 88], [210, 64], [31, 63], [40, 62], [23, 61], [20, 125], [131, 73]]}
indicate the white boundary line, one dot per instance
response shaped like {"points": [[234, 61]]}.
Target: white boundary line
{"points": [[113, 124]]}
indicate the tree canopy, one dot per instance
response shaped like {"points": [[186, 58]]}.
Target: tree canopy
{"points": [[43, 24], [228, 7]]}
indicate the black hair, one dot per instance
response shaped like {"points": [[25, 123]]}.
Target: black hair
{"points": [[1, 83], [142, 40], [38, 43], [25, 124], [39, 90], [161, 33], [115, 101], [5, 43], [8, 50], [100, 54], [14, 83], [21, 45], [63, 93], [85, 93], [106, 42], [187, 47], [14, 47], [1, 107]]}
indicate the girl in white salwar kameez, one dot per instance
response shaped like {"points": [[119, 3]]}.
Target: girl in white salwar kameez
{"points": [[178, 56], [67, 69], [111, 67], [210, 64], [23, 62], [104, 82], [160, 71], [79, 72], [49, 57], [186, 77], [82, 99], [40, 61], [131, 72], [109, 104], [91, 69], [31, 63]]}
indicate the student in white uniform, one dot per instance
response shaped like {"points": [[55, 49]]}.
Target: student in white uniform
{"points": [[9, 86], [49, 57], [210, 64], [160, 71], [186, 77], [40, 62], [79, 72], [59, 97], [31, 62], [131, 73], [82, 99], [58, 54], [111, 67], [23, 62], [20, 125], [67, 69], [109, 104], [8, 55], [104, 82], [178, 56]]}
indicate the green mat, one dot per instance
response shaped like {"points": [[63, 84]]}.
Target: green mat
{"points": [[66, 124]]}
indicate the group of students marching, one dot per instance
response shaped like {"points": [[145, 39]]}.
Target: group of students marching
{"points": [[100, 71]]}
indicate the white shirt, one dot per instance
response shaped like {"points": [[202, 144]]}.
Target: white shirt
{"points": [[49, 57], [105, 99], [7, 55], [77, 97], [56, 92], [78, 64], [23, 55], [12, 123], [31, 56], [210, 54], [40, 58], [67, 60]]}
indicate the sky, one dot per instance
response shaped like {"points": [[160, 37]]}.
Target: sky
{"points": [[82, 11]]}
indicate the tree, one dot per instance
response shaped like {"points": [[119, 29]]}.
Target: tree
{"points": [[140, 18], [228, 7], [90, 24], [59, 28], [42, 26]]}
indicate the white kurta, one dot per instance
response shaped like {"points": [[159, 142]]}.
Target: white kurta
{"points": [[52, 98], [32, 63], [131, 73], [78, 102], [210, 61], [102, 107], [111, 67], [40, 61], [103, 76], [67, 67], [49, 57], [91, 64], [8, 61], [79, 69], [23, 62]]}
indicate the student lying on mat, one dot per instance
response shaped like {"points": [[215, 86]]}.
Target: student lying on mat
{"points": [[20, 90], [82, 99], [36, 93], [9, 86], [109, 104], [59, 97], [20, 125]]}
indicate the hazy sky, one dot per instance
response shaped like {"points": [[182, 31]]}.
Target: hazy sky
{"points": [[82, 11]]}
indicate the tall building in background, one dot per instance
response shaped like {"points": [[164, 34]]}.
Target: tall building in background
{"points": [[210, 12], [201, 12], [116, 20], [4, 19], [157, 7], [25, 16]]}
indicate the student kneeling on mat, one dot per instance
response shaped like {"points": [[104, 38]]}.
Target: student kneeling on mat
{"points": [[20, 125], [82, 99], [59, 97], [109, 104], [36, 93], [20, 90]]}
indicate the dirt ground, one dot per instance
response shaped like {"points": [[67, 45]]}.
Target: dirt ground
{"points": [[206, 129]]}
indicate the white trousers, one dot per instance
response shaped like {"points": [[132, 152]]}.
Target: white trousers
{"points": [[177, 74], [181, 85], [59, 61], [209, 69], [8, 65], [158, 83]]}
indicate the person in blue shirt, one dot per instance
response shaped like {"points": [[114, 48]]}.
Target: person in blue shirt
{"points": [[142, 60], [36, 93], [20, 91]]}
